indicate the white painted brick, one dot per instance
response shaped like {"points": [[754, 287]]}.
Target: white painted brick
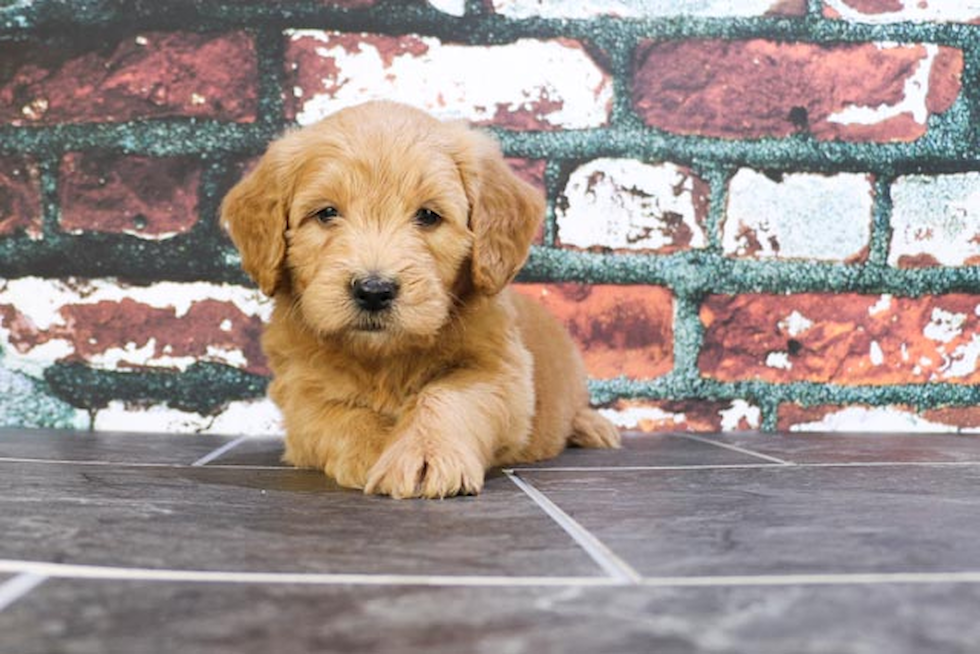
{"points": [[642, 415], [528, 84], [803, 216], [936, 219], [891, 419], [630, 205], [951, 11], [451, 7], [244, 418], [38, 304], [633, 8]]}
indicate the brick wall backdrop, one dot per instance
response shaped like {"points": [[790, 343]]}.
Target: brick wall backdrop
{"points": [[762, 213]]}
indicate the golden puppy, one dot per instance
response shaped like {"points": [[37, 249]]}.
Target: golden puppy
{"points": [[402, 364]]}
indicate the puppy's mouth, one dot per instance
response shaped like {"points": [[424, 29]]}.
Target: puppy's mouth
{"points": [[370, 324]]}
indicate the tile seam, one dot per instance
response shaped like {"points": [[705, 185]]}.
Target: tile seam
{"points": [[735, 448], [18, 587], [32, 573], [599, 552], [46, 570], [218, 452]]}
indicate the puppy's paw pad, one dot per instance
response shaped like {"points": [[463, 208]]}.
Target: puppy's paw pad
{"points": [[406, 470]]}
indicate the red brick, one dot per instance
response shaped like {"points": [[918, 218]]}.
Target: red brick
{"points": [[20, 197], [683, 415], [622, 330], [532, 172], [758, 88], [116, 334], [843, 339], [144, 196], [152, 75]]}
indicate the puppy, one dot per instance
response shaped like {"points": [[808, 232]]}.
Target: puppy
{"points": [[403, 365]]}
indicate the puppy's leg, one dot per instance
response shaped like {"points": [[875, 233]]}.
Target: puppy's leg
{"points": [[343, 442], [446, 442], [589, 429]]}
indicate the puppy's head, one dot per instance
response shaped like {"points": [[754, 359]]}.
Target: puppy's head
{"points": [[378, 220]]}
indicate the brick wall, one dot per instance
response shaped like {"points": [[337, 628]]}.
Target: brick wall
{"points": [[762, 214]]}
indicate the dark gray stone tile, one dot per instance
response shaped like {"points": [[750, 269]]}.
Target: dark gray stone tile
{"points": [[270, 520], [840, 448], [650, 450], [779, 519], [638, 450], [253, 452], [95, 617], [112, 447]]}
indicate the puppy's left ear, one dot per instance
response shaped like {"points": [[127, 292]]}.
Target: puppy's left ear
{"points": [[254, 215], [505, 211]]}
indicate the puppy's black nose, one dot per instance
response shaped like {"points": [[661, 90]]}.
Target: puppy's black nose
{"points": [[374, 293]]}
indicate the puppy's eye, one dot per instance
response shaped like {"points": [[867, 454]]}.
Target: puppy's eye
{"points": [[325, 215], [427, 218]]}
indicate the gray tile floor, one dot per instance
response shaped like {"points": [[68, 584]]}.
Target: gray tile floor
{"points": [[813, 543]]}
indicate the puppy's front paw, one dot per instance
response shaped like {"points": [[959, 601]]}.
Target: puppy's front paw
{"points": [[411, 468]]}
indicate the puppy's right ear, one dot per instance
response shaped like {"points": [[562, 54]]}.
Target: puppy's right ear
{"points": [[254, 215]]}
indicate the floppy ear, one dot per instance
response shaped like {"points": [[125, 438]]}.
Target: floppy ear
{"points": [[254, 214], [505, 211]]}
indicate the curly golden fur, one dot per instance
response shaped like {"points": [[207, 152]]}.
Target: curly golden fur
{"points": [[403, 365]]}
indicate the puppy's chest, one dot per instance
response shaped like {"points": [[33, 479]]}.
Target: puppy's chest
{"points": [[388, 390]]}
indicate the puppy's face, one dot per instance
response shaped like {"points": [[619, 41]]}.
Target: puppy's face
{"points": [[377, 232], [375, 220]]}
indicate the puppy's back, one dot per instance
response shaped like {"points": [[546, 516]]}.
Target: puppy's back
{"points": [[560, 385]]}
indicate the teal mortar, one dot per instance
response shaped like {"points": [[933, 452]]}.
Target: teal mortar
{"points": [[205, 254]]}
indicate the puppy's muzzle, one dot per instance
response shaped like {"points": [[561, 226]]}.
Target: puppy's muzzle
{"points": [[373, 293]]}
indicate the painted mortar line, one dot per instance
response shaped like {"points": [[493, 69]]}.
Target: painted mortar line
{"points": [[734, 448], [718, 178], [211, 456], [881, 221], [611, 564], [554, 183], [769, 407], [490, 28], [16, 588], [688, 336], [870, 578], [44, 570]]}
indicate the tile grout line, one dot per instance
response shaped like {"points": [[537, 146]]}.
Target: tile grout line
{"points": [[43, 570], [856, 578], [19, 586], [211, 456], [710, 466], [755, 466], [734, 448], [604, 557], [137, 464], [30, 574]]}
